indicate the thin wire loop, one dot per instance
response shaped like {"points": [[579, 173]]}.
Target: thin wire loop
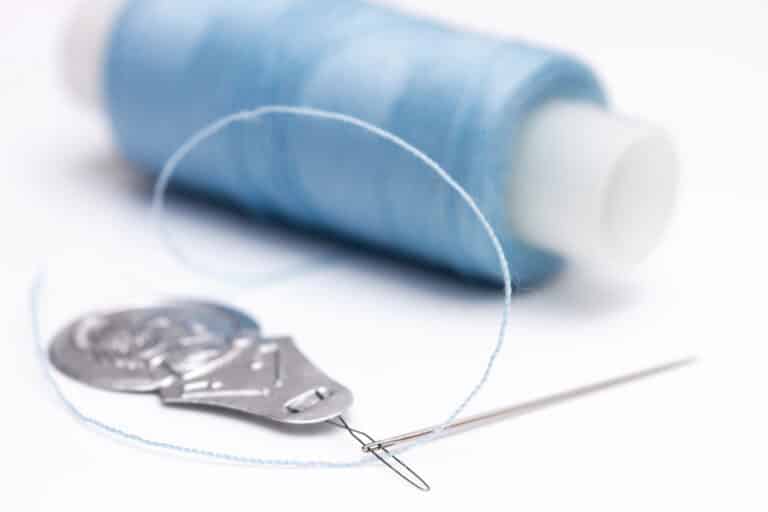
{"points": [[406, 473]]}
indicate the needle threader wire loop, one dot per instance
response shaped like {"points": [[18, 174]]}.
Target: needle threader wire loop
{"points": [[390, 460]]}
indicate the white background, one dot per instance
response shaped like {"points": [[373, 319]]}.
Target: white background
{"points": [[408, 342]]}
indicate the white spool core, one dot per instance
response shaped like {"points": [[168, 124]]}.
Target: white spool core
{"points": [[586, 183], [592, 185]]}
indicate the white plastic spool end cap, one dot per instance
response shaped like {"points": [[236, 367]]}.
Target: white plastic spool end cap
{"points": [[84, 49], [591, 185]]}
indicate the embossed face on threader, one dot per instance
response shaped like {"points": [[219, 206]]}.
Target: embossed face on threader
{"points": [[143, 349]]}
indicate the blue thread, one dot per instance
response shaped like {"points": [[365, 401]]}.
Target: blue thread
{"points": [[173, 67], [158, 201]]}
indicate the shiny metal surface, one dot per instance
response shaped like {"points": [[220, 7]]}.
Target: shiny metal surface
{"points": [[267, 377], [144, 349]]}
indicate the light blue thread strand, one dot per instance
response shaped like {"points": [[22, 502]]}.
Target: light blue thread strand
{"points": [[159, 192], [161, 186], [158, 203]]}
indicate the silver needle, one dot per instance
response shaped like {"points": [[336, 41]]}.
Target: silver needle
{"points": [[529, 406]]}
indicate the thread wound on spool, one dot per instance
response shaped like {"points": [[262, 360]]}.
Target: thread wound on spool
{"points": [[458, 97]]}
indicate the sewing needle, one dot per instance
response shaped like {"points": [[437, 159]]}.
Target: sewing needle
{"points": [[528, 406]]}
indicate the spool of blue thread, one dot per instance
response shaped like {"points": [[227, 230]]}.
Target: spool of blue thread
{"points": [[524, 130]]}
